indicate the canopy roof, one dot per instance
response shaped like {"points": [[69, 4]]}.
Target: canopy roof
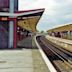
{"points": [[62, 28], [21, 13], [26, 19], [30, 19]]}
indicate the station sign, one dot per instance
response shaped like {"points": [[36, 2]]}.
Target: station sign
{"points": [[4, 18]]}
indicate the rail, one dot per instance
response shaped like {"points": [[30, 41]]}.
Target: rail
{"points": [[60, 59], [47, 61]]}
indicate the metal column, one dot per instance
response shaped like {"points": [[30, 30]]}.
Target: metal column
{"points": [[11, 25]]}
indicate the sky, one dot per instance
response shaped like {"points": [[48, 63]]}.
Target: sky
{"points": [[57, 12]]}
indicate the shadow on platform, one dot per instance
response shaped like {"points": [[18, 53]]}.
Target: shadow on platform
{"points": [[27, 43]]}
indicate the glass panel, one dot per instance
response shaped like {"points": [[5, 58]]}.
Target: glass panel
{"points": [[4, 32]]}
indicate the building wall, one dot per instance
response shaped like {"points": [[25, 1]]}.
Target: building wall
{"points": [[4, 34], [4, 5]]}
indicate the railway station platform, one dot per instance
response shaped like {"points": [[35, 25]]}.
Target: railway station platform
{"points": [[26, 43], [64, 43], [25, 60]]}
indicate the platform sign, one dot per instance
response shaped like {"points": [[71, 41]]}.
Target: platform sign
{"points": [[4, 5]]}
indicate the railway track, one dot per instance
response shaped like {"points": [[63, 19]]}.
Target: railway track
{"points": [[61, 59]]}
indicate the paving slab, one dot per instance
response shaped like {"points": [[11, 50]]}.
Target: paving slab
{"points": [[25, 60], [38, 62]]}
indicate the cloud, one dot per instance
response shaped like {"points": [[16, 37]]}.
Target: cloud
{"points": [[68, 16], [57, 12]]}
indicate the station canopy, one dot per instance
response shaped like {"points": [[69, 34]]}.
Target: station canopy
{"points": [[30, 20], [25, 19], [61, 28]]}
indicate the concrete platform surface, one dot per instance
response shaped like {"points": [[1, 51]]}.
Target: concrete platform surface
{"points": [[25, 60], [26, 43]]}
